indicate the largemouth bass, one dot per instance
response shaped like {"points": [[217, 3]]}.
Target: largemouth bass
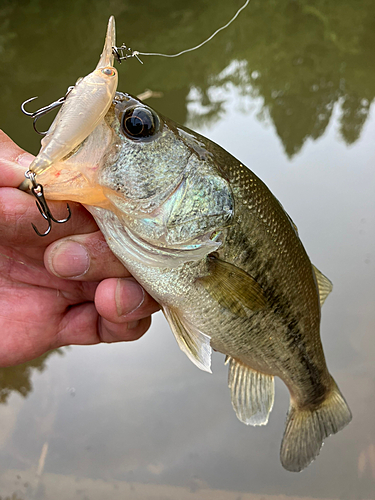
{"points": [[209, 241]]}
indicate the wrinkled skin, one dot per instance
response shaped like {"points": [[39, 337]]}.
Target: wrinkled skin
{"points": [[49, 295]]}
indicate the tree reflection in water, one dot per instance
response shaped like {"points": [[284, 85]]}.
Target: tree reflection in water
{"points": [[18, 378], [300, 59]]}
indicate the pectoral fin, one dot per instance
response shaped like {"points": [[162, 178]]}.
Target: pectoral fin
{"points": [[194, 343], [324, 285], [232, 287], [252, 392]]}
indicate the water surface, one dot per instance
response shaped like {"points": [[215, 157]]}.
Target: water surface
{"points": [[289, 90]]}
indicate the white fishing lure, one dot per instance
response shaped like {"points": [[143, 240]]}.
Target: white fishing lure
{"points": [[83, 109]]}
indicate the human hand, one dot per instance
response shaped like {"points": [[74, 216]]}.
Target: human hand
{"points": [[65, 288]]}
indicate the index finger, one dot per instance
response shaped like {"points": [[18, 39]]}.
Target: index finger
{"points": [[14, 161]]}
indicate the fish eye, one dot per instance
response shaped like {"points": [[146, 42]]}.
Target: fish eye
{"points": [[139, 122], [108, 71]]}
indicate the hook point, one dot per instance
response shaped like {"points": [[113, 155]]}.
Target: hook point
{"points": [[23, 106]]}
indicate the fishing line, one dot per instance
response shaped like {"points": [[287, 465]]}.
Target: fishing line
{"points": [[137, 53]]}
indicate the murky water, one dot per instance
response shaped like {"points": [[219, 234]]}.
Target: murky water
{"points": [[288, 89]]}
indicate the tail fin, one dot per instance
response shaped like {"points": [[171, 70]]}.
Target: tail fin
{"points": [[306, 429]]}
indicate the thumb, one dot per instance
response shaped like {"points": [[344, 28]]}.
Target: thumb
{"points": [[14, 161]]}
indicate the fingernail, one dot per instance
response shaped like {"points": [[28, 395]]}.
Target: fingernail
{"points": [[69, 260], [129, 296], [25, 159]]}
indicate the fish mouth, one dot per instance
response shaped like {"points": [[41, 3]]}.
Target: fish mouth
{"points": [[76, 178], [64, 182]]}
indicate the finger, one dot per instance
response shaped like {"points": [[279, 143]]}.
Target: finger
{"points": [[112, 332], [82, 325], [122, 300], [79, 326], [18, 211], [86, 257], [14, 162]]}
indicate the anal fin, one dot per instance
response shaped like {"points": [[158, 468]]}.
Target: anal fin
{"points": [[194, 343], [252, 392]]}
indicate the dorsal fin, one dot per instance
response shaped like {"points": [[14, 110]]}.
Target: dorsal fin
{"points": [[194, 343], [324, 285], [232, 287], [252, 392], [294, 226]]}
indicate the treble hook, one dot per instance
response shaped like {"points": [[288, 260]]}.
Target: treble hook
{"points": [[41, 203], [43, 111]]}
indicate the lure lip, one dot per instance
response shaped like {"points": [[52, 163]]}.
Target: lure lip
{"points": [[107, 57], [82, 109]]}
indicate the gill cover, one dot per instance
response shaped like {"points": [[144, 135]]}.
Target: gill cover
{"points": [[83, 109]]}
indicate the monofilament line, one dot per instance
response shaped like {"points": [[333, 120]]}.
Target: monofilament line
{"points": [[136, 52]]}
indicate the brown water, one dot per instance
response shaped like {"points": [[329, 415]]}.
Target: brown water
{"points": [[288, 89]]}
